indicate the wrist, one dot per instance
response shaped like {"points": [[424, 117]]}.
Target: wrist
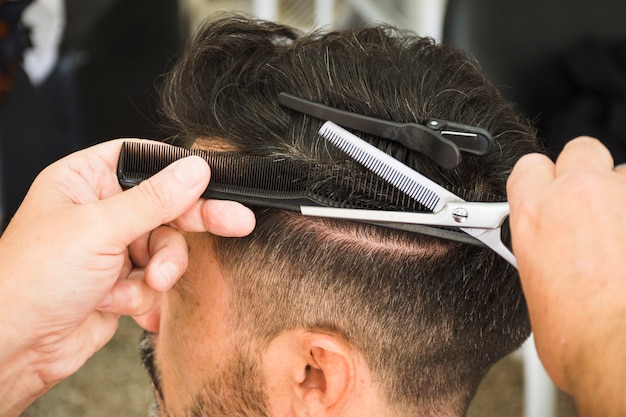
{"points": [[596, 377], [20, 383]]}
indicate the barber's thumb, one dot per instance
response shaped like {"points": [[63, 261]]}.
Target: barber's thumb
{"points": [[157, 200]]}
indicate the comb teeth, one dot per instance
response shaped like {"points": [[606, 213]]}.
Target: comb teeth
{"points": [[399, 175], [142, 160], [272, 182]]}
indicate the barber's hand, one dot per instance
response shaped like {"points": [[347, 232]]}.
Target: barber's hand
{"points": [[568, 222], [79, 252]]}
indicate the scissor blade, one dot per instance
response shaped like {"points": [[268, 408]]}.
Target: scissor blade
{"points": [[415, 185]]}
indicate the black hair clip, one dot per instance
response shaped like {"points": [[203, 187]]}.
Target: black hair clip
{"points": [[440, 140]]}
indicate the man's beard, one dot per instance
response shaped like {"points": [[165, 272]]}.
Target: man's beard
{"points": [[238, 391]]}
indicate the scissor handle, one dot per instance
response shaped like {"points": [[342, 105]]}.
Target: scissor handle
{"points": [[492, 238], [483, 221], [490, 235]]}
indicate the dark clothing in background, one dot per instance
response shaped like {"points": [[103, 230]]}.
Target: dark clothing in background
{"points": [[561, 61], [37, 127], [589, 80], [14, 40], [103, 87]]}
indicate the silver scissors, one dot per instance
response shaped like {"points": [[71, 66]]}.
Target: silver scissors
{"points": [[483, 221]]}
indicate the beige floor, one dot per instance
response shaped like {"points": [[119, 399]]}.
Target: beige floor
{"points": [[114, 384]]}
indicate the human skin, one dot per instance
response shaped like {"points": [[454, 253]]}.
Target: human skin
{"points": [[79, 252], [199, 355], [568, 228], [190, 332]]}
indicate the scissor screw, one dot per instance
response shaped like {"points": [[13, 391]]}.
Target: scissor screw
{"points": [[459, 215]]}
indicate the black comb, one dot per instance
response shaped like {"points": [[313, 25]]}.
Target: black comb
{"points": [[272, 182]]}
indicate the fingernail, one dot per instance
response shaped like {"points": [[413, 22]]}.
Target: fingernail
{"points": [[189, 171], [170, 272]]}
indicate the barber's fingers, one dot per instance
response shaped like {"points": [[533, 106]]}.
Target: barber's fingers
{"points": [[139, 252], [168, 258], [156, 201], [620, 168], [533, 170], [530, 173], [583, 153], [164, 255], [223, 218], [130, 297]]}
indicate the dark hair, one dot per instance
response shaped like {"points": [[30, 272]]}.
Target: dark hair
{"points": [[430, 316]]}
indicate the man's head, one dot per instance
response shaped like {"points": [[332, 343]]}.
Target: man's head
{"points": [[325, 317]]}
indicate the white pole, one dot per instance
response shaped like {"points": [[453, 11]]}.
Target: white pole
{"points": [[426, 16], [265, 9], [325, 13]]}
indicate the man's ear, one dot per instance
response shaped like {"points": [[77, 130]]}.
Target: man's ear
{"points": [[309, 374]]}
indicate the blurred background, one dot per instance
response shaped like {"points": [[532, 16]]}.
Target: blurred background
{"points": [[77, 72]]}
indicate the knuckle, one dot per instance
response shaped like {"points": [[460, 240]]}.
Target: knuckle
{"points": [[135, 303], [527, 212], [166, 237], [584, 181], [156, 194], [132, 298]]}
